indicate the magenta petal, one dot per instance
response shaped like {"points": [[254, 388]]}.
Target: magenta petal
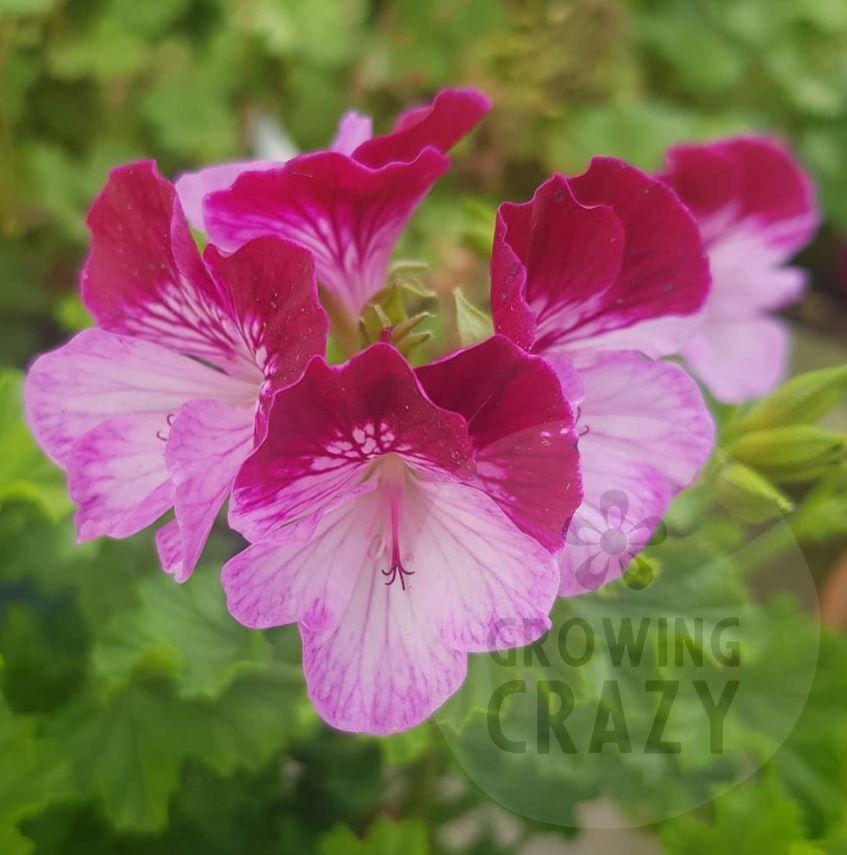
{"points": [[752, 183], [755, 207], [602, 252], [552, 262], [348, 215], [452, 115], [664, 269], [193, 187], [207, 443], [144, 276], [325, 429], [522, 429], [272, 294]]}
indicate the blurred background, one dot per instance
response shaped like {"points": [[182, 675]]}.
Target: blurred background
{"points": [[136, 717]]}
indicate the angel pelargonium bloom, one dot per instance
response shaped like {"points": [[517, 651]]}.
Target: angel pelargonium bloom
{"points": [[155, 406], [404, 520], [579, 274], [348, 205], [756, 208]]}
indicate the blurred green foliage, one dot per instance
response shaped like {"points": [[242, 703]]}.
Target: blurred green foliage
{"points": [[135, 715]]}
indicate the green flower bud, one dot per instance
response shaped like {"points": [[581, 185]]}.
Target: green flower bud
{"points": [[790, 453]]}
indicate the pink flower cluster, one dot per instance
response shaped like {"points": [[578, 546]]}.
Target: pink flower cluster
{"points": [[404, 517]]}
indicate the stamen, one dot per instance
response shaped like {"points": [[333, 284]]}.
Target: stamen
{"points": [[160, 434], [397, 570]]}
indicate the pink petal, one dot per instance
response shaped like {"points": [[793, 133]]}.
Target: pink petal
{"points": [[382, 657], [272, 293], [98, 375], [658, 337], [646, 433], [193, 187], [325, 430], [740, 359], [475, 583], [304, 574], [635, 401], [144, 276], [347, 214], [750, 183], [453, 114], [117, 477], [486, 584], [170, 546], [354, 129], [522, 429], [748, 279], [207, 443], [384, 668]]}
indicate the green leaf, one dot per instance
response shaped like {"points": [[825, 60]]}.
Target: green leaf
{"points": [[30, 777], [44, 644], [128, 747], [812, 762], [802, 400], [185, 631], [24, 470], [384, 837], [473, 324], [754, 818]]}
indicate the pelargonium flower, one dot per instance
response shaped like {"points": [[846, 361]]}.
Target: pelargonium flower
{"points": [[347, 205], [578, 275], [756, 208], [403, 519], [155, 406]]}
